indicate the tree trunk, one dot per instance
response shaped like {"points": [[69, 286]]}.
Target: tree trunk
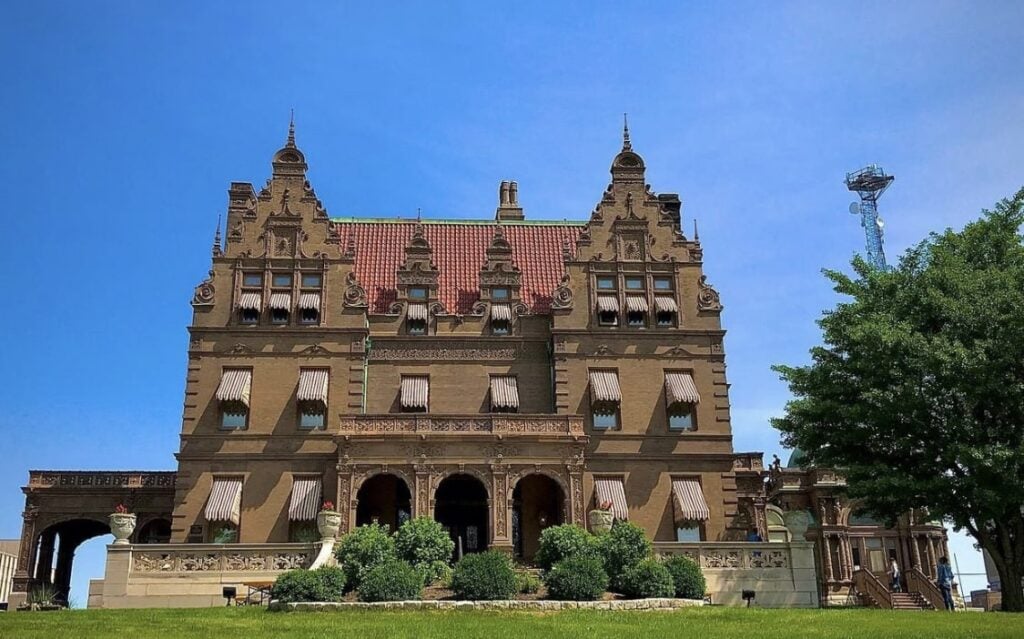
{"points": [[1010, 585]]}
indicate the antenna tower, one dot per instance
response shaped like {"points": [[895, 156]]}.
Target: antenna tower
{"points": [[869, 183]]}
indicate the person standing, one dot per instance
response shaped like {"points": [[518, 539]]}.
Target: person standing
{"points": [[945, 581], [894, 575]]}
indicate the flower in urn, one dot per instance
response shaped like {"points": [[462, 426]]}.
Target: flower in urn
{"points": [[601, 518], [328, 521], [122, 524]]}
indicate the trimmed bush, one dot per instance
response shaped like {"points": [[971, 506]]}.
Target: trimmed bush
{"points": [[623, 546], [426, 545], [527, 583], [322, 584], [393, 580], [485, 575], [649, 578], [687, 577], [561, 542], [576, 579], [363, 549]]}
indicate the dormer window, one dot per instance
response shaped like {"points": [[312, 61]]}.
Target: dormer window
{"points": [[499, 293], [416, 319], [418, 293], [501, 319]]}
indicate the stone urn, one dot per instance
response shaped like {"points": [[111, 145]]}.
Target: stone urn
{"points": [[328, 522], [122, 525], [600, 521]]}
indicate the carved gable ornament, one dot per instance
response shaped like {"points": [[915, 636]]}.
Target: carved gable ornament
{"points": [[418, 269], [204, 293], [355, 294], [707, 297]]}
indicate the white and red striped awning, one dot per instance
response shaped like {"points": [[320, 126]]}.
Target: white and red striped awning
{"points": [[305, 501], [281, 301], [235, 385], [415, 392], [250, 301], [636, 304], [607, 304], [680, 389], [501, 312], [689, 501], [417, 312], [309, 301], [665, 304], [614, 491], [504, 392], [604, 386], [313, 384], [225, 503]]}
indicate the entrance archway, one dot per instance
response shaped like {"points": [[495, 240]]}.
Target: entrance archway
{"points": [[56, 553], [384, 499], [537, 503], [460, 505]]}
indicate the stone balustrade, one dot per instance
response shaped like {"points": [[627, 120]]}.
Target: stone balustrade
{"points": [[484, 424], [101, 479], [195, 558]]}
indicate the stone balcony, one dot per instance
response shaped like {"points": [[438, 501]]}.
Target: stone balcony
{"points": [[494, 424]]}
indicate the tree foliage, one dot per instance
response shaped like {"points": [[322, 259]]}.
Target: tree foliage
{"points": [[918, 390]]}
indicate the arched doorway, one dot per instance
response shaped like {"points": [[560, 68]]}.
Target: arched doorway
{"points": [[384, 499], [154, 531], [460, 505], [537, 503], [56, 554]]}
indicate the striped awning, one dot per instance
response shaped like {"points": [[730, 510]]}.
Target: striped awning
{"points": [[607, 304], [250, 302], [417, 312], [680, 389], [281, 301], [225, 503], [415, 392], [636, 304], [313, 385], [689, 501], [501, 312], [504, 392], [604, 386], [614, 491], [309, 301], [235, 385], [305, 502], [665, 304]]}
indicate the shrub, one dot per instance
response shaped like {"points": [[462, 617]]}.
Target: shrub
{"points": [[485, 575], [425, 544], [527, 583], [436, 572], [322, 584], [623, 546], [576, 579], [362, 549], [649, 578], [561, 542], [393, 580], [687, 577]]}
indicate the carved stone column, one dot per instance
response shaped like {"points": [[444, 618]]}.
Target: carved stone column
{"points": [[844, 567], [916, 548], [760, 519], [346, 500], [826, 548], [501, 508], [421, 494], [577, 506], [24, 577], [44, 560]]}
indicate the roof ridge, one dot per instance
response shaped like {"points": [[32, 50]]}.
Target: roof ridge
{"points": [[455, 221]]}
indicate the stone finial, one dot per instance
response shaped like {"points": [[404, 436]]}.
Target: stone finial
{"points": [[626, 145], [291, 131], [217, 249]]}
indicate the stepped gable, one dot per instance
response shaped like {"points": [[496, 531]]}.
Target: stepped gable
{"points": [[459, 250]]}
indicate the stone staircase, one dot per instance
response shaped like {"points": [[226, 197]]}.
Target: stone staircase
{"points": [[910, 601]]}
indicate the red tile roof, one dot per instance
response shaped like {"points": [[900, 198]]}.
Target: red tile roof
{"points": [[459, 251]]}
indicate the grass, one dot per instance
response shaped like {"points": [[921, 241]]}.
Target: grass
{"points": [[702, 623]]}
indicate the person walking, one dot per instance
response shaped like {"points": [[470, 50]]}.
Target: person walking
{"points": [[894, 575], [945, 581]]}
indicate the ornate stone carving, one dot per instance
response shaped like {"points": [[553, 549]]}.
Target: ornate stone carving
{"points": [[239, 349], [355, 294], [315, 349], [205, 292], [386, 353], [707, 297], [721, 559], [562, 297], [198, 563]]}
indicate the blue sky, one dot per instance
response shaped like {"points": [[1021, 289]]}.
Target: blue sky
{"points": [[124, 123]]}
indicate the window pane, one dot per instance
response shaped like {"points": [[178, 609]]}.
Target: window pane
{"points": [[680, 420], [608, 319], [636, 319], [250, 316], [665, 319], [417, 293], [688, 534], [310, 316], [252, 279], [311, 420], [232, 420], [279, 316], [499, 293], [417, 327], [282, 279], [606, 420], [311, 280], [499, 327], [635, 283], [606, 282], [662, 284]]}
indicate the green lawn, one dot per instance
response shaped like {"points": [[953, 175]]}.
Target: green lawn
{"points": [[706, 623]]}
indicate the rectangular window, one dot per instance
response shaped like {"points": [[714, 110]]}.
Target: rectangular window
{"points": [[636, 319], [312, 421], [311, 280], [417, 292], [666, 319], [282, 279], [252, 279], [605, 282], [688, 533], [249, 316], [234, 418], [680, 417], [499, 327], [309, 316], [605, 417], [608, 318], [634, 283], [416, 327], [279, 316], [499, 293], [663, 283]]}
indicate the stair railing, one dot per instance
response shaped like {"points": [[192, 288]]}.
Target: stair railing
{"points": [[919, 583], [866, 583]]}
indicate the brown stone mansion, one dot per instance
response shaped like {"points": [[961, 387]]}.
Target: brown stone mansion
{"points": [[499, 375]]}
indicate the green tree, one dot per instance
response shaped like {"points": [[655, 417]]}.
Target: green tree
{"points": [[918, 391]]}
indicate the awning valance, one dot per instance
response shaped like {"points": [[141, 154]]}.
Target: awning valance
{"points": [[250, 302], [415, 392], [313, 385], [680, 389], [309, 301], [665, 304], [281, 301], [689, 501], [235, 385], [501, 312], [504, 392], [607, 304], [305, 502], [636, 304], [604, 386], [225, 503], [612, 490], [417, 312]]}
